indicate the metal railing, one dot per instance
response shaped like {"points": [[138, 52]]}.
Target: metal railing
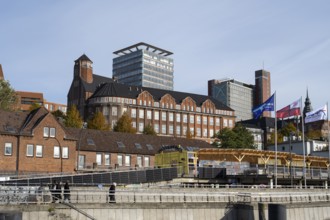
{"points": [[33, 195]]}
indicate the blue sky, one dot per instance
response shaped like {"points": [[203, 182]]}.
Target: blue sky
{"points": [[39, 41]]}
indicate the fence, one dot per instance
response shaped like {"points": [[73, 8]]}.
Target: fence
{"points": [[123, 177]]}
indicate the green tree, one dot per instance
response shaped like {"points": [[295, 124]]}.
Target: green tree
{"points": [[73, 118], [238, 137], [283, 132], [58, 114], [34, 106], [8, 97], [98, 122], [149, 130], [124, 124]]}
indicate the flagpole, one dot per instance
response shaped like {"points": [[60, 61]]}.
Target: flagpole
{"points": [[328, 137], [303, 140], [275, 140]]}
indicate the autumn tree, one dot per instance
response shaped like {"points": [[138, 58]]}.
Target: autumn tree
{"points": [[98, 122], [58, 114], [8, 97], [124, 124], [149, 130], [73, 118]]}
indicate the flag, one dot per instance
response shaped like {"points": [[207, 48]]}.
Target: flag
{"points": [[266, 106], [290, 110], [317, 115]]}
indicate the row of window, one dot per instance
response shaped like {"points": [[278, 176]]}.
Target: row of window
{"points": [[49, 132], [170, 117], [157, 105], [122, 160], [37, 150]]}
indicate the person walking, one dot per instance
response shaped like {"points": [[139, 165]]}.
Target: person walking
{"points": [[59, 191], [66, 192], [112, 191]]}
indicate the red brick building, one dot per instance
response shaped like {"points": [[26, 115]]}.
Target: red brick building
{"points": [[34, 143]]}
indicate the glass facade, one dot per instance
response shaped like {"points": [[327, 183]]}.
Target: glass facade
{"points": [[144, 68], [236, 95]]}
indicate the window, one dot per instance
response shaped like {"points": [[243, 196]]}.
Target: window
{"points": [[191, 119], [178, 129], [211, 132], [138, 146], [120, 160], [163, 129], [105, 110], [133, 113], [149, 146], [146, 162], [139, 161], [65, 152], [204, 132], [164, 116], [120, 144], [38, 150], [156, 114], [170, 129], [211, 121], [230, 123], [90, 141], [52, 132], [178, 117], [170, 116], [141, 113], [46, 131], [56, 152], [99, 159], [107, 159], [148, 114], [156, 128], [198, 118], [185, 118], [127, 160], [29, 150], [198, 132], [225, 122], [8, 149], [217, 121], [204, 120], [134, 124], [141, 126], [114, 111]]}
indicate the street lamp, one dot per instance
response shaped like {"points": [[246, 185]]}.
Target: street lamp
{"points": [[291, 172], [84, 126]]}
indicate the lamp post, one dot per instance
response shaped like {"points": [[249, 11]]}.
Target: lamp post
{"points": [[290, 146], [84, 125]]}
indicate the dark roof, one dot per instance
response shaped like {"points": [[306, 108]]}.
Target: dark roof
{"points": [[21, 123], [127, 91], [107, 141], [11, 122], [83, 57], [138, 46], [97, 81]]}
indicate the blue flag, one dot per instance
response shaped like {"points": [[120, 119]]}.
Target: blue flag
{"points": [[266, 106]]}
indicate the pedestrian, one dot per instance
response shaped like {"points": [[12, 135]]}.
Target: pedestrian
{"points": [[59, 191], [67, 192], [52, 189], [112, 191]]}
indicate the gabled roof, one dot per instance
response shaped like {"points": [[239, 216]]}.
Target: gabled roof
{"points": [[127, 91], [83, 57], [21, 123], [107, 141]]}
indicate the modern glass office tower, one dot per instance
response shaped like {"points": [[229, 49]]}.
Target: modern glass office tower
{"points": [[144, 65], [234, 94]]}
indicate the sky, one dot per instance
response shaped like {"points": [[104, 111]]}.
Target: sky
{"points": [[210, 39]]}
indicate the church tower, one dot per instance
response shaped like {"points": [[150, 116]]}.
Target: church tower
{"points": [[308, 105], [83, 69]]}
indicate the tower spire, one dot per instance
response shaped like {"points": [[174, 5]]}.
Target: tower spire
{"points": [[308, 105]]}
